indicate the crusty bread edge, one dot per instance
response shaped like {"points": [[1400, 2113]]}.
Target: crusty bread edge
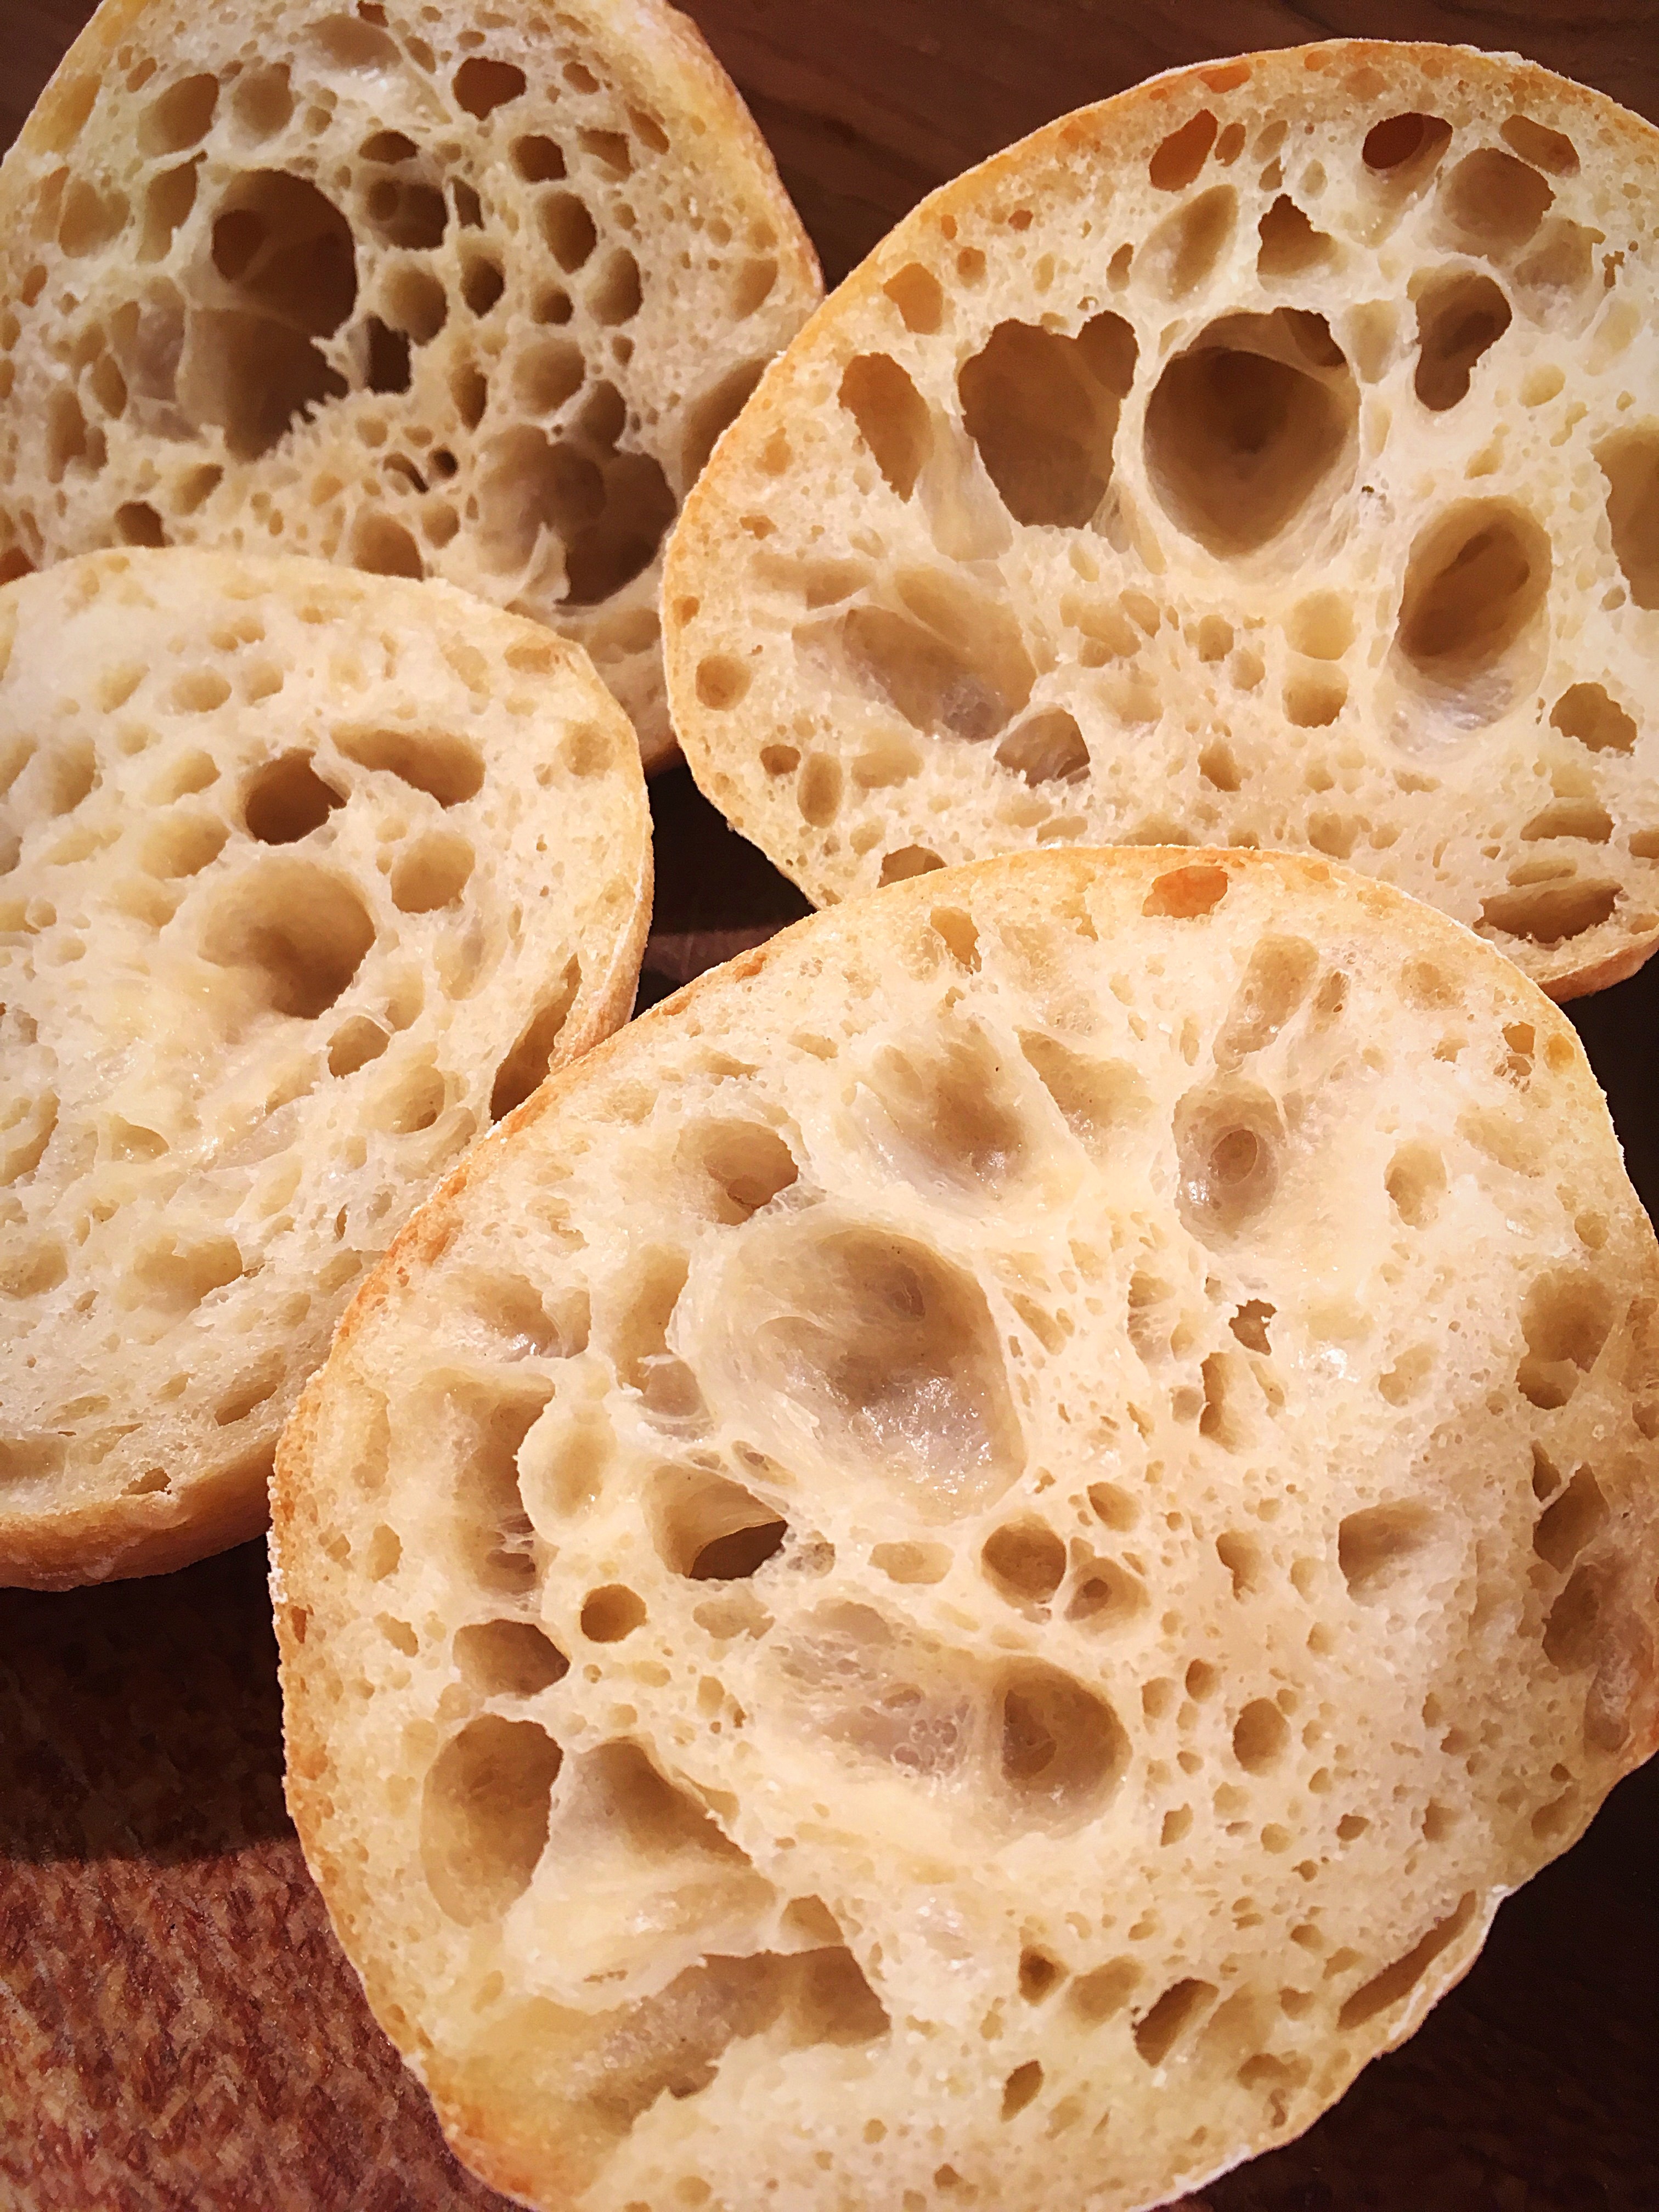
{"points": [[527, 2174], [696, 537], [53, 1550]]}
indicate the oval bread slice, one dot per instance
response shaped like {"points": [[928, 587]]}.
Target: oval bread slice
{"points": [[1267, 457], [305, 878], [979, 1549], [415, 287]]}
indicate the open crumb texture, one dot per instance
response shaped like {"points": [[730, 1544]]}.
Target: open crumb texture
{"points": [[963, 1567], [426, 290], [1267, 457], [305, 879]]}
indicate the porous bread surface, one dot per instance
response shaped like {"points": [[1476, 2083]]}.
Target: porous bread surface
{"points": [[304, 878], [962, 1569], [1267, 457], [427, 289]]}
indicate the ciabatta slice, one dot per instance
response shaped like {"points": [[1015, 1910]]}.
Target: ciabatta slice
{"points": [[423, 288], [305, 878], [1267, 457], [962, 1567]]}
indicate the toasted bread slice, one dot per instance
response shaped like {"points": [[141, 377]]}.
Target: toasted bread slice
{"points": [[979, 1549], [425, 290], [1267, 457], [305, 878]]}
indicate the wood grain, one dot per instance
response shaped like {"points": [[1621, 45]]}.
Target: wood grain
{"points": [[178, 2027]]}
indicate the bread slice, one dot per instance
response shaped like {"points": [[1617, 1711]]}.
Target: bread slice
{"points": [[427, 289], [962, 1568], [1267, 457], [305, 879]]}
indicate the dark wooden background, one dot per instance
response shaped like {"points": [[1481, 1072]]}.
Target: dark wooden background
{"points": [[177, 2028]]}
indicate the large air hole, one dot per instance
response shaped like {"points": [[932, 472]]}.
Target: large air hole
{"points": [[287, 799], [1188, 246], [608, 508], [507, 1658], [1459, 315], [1396, 1983], [711, 1530], [1063, 1748], [286, 258], [1247, 429], [881, 1353], [742, 1165], [959, 670], [432, 873], [1261, 1734], [1104, 1595], [252, 377], [1404, 150], [406, 212], [1569, 1522], [1383, 1546], [611, 1614], [893, 417], [1042, 410], [1565, 1318], [1024, 1560], [568, 229], [527, 1063], [665, 2047], [1179, 157], [522, 1321], [494, 1532], [1229, 1142], [168, 199], [1102, 1994], [297, 934], [180, 115], [529, 484], [484, 1814], [175, 1275], [1475, 587], [1048, 749], [1630, 462], [1551, 913], [945, 1119], [483, 85], [1158, 2031], [447, 769], [1290, 244], [1492, 204], [1416, 1181], [1101, 1100], [1275, 984]]}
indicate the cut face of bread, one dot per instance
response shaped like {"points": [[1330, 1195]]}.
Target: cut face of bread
{"points": [[1268, 456], [981, 1546], [421, 289], [305, 879]]}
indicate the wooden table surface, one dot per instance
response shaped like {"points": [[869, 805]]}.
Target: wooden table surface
{"points": [[177, 2028]]}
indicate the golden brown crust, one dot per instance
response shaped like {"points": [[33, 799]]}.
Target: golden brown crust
{"points": [[1082, 179]]}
